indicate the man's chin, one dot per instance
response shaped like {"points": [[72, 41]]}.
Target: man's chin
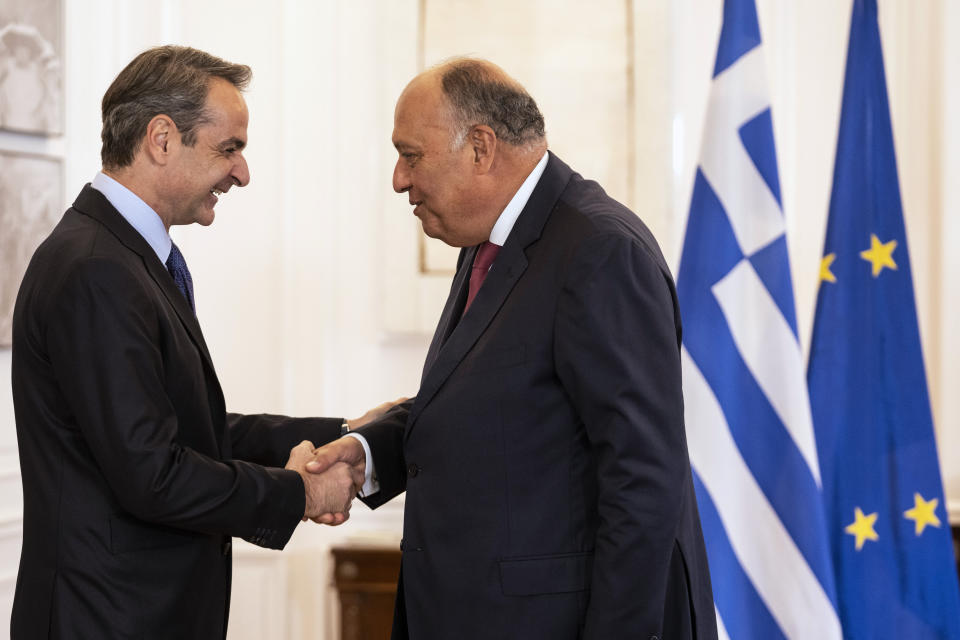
{"points": [[205, 219], [430, 229], [430, 233]]}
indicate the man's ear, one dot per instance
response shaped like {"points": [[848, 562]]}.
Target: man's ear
{"points": [[483, 141], [161, 134]]}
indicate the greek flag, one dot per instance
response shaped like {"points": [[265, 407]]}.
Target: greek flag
{"points": [[886, 517], [750, 432]]}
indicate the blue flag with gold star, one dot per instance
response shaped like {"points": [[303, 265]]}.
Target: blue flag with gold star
{"points": [[888, 531]]}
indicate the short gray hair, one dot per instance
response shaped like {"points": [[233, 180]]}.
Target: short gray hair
{"points": [[479, 95], [171, 80]]}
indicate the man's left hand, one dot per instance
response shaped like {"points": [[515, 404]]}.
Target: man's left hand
{"points": [[374, 413]]}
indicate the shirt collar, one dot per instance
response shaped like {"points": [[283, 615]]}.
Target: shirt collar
{"points": [[137, 212], [509, 216]]}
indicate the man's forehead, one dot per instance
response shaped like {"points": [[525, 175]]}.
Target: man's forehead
{"points": [[419, 133], [421, 114], [227, 118], [423, 94], [426, 82], [225, 100]]}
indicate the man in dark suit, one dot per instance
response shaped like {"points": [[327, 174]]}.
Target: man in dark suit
{"points": [[134, 475], [548, 487]]}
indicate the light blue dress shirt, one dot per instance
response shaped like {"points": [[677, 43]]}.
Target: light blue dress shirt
{"points": [[137, 212]]}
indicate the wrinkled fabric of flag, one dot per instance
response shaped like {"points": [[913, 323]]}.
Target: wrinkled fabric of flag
{"points": [[748, 416], [886, 515]]}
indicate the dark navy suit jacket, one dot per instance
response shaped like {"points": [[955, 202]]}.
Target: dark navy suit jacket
{"points": [[134, 475], [548, 487]]}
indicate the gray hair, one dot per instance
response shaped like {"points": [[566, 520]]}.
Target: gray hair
{"points": [[170, 80], [479, 94]]}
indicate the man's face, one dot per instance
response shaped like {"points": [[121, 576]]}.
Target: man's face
{"points": [[215, 162], [438, 179]]}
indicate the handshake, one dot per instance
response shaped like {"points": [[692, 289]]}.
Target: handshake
{"points": [[334, 473]]}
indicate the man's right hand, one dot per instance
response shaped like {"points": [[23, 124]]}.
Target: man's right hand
{"points": [[330, 493], [347, 450]]}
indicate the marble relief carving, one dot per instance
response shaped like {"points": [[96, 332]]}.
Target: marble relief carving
{"points": [[30, 206], [31, 83]]}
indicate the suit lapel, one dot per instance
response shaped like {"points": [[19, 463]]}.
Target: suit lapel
{"points": [[453, 340], [93, 203], [452, 310]]}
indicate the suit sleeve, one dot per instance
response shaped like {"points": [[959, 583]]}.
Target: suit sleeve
{"points": [[106, 346], [385, 438], [267, 439], [618, 357]]}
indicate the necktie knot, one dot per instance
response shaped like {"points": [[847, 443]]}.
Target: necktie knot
{"points": [[482, 262], [177, 266], [486, 254]]}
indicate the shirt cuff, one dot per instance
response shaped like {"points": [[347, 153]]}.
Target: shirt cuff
{"points": [[370, 483]]}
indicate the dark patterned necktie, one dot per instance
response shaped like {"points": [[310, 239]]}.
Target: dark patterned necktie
{"points": [[177, 267], [481, 266]]}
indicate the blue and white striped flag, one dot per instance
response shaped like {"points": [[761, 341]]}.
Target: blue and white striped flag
{"points": [[748, 418]]}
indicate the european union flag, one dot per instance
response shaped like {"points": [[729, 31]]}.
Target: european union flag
{"points": [[889, 536], [750, 432]]}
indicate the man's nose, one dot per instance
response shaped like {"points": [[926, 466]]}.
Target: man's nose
{"points": [[401, 181], [241, 173]]}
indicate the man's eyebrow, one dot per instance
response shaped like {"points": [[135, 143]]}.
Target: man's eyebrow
{"points": [[235, 143]]}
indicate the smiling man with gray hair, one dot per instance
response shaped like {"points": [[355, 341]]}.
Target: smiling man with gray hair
{"points": [[135, 477]]}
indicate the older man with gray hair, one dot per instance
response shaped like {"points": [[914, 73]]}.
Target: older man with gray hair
{"points": [[548, 488]]}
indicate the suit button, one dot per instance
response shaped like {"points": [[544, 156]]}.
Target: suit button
{"points": [[226, 548], [413, 470]]}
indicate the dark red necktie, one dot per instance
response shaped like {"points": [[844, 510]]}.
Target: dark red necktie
{"points": [[481, 266]]}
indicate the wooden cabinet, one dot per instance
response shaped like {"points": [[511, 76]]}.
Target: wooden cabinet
{"points": [[366, 582]]}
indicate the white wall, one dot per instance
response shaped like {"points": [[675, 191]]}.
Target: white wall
{"points": [[307, 283], [944, 368]]}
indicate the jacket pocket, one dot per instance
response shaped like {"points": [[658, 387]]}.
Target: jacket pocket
{"points": [[533, 575], [128, 534], [496, 359]]}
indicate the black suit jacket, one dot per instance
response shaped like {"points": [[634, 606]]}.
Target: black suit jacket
{"points": [[548, 487], [134, 475]]}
